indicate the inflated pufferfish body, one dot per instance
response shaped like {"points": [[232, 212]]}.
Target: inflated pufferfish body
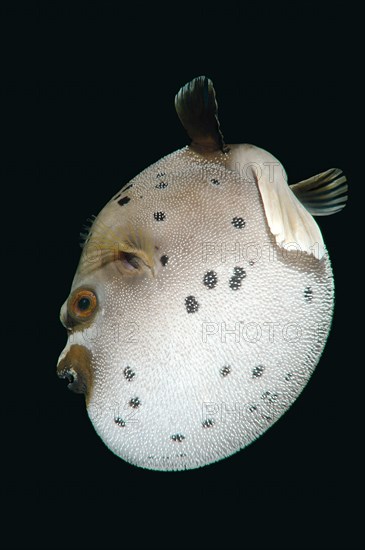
{"points": [[203, 298]]}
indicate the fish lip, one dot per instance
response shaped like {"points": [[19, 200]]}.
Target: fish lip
{"points": [[75, 365], [76, 383]]}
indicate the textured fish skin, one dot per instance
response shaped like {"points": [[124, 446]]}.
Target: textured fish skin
{"points": [[216, 344]]}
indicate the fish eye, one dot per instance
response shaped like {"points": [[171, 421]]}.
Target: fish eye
{"points": [[82, 304]]}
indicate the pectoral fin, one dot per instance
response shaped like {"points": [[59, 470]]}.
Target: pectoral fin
{"points": [[292, 225], [323, 194]]}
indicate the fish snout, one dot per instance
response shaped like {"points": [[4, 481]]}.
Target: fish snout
{"points": [[75, 367]]}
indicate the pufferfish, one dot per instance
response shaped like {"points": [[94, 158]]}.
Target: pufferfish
{"points": [[203, 298]]}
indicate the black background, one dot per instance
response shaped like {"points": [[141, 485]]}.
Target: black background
{"points": [[288, 78]]}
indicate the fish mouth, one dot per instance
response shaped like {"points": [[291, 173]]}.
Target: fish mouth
{"points": [[75, 382], [76, 368]]}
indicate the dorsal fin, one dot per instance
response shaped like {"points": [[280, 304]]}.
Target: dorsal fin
{"points": [[197, 108]]}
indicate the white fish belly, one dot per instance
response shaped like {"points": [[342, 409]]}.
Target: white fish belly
{"points": [[197, 362]]}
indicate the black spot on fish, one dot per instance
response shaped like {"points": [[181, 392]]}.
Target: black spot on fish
{"points": [[159, 216], [210, 279], [236, 280], [239, 272], [257, 371], [208, 423], [124, 200], [224, 371], [238, 223], [161, 185], [129, 373], [234, 284], [308, 294], [269, 397], [191, 304], [119, 421], [164, 259], [178, 437], [214, 181], [134, 402]]}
